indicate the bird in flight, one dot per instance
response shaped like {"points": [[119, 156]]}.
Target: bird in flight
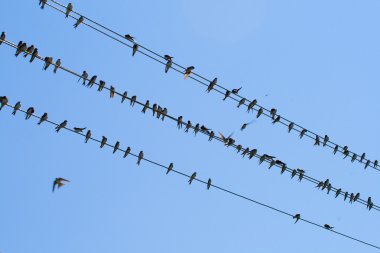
{"points": [[59, 182]]}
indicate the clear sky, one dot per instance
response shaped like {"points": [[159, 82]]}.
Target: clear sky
{"points": [[317, 62]]}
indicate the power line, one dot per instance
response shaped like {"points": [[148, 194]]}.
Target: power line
{"points": [[262, 158], [267, 112], [251, 200]]}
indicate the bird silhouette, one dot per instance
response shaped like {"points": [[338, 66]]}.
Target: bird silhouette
{"points": [[169, 168], [57, 65], [127, 151], [188, 71], [302, 133], [169, 62], [327, 226], [192, 177], [227, 94], [125, 96], [129, 37], [259, 112], [116, 147], [209, 184], [134, 49], [140, 157], [297, 217], [251, 105], [16, 107], [84, 76], [3, 101], [43, 118], [112, 91], [88, 136], [69, 9], [34, 55], [146, 106], [60, 126], [59, 182], [29, 112], [2, 37], [236, 91], [212, 84], [79, 129], [79, 21], [103, 142]]}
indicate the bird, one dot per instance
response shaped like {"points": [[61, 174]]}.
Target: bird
{"points": [[196, 129], [101, 85], [335, 149], [188, 126], [245, 152], [212, 84], [236, 91], [69, 9], [169, 168], [327, 226], [59, 182], [319, 185], [48, 61], [345, 196], [43, 118], [300, 177], [79, 129], [338, 192], [354, 156], [283, 168], [179, 122], [325, 184], [84, 76], [129, 37], [316, 143], [164, 113], [29, 51], [227, 94], [375, 164], [325, 140], [302, 133], [205, 129], [57, 65], [140, 157], [2, 37], [244, 126], [277, 119], [79, 21], [21, 48], [116, 147], [3, 101], [192, 177], [88, 136], [209, 184], [133, 100], [34, 55], [127, 151], [297, 217], [346, 153], [169, 62], [135, 48], [272, 163], [241, 102], [154, 108], [290, 127], [352, 197], [188, 71], [294, 172], [357, 196], [252, 153], [251, 105], [279, 162], [29, 112], [369, 201], [367, 164], [224, 139], [211, 136], [16, 107], [329, 186], [362, 157], [103, 142], [238, 148], [259, 112], [112, 91], [273, 112], [125, 95], [60, 126], [42, 3], [146, 106]]}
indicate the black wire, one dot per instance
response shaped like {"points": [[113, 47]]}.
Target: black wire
{"points": [[204, 182], [329, 144], [289, 170]]}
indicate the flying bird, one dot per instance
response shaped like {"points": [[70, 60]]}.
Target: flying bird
{"points": [[3, 101], [236, 91], [192, 177], [60, 126], [69, 9], [79, 21], [169, 168], [16, 107], [244, 126], [209, 184], [116, 147], [88, 136], [140, 157], [29, 112], [79, 129], [297, 217], [43, 118], [59, 182], [188, 71], [103, 142]]}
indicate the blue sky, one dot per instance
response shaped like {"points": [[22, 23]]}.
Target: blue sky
{"points": [[316, 61]]}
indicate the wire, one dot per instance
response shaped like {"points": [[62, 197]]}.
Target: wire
{"points": [[203, 181], [261, 158], [283, 121]]}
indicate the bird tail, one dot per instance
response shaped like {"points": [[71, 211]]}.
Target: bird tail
{"points": [[186, 76]]}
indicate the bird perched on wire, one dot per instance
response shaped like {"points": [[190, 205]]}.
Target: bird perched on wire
{"points": [[43, 118], [124, 97], [69, 9], [241, 102], [209, 182], [302, 133], [317, 142], [196, 129], [325, 140], [164, 112], [290, 126], [362, 157], [29, 51], [212, 84], [127, 151], [188, 126], [79, 21], [16, 107], [146, 106], [21, 48], [252, 153], [57, 65], [188, 71], [338, 192], [112, 91], [133, 100], [277, 119], [211, 136], [3, 101], [60, 126], [84, 76], [79, 129], [327, 226], [29, 112], [88, 136], [335, 149], [367, 164], [140, 157], [116, 147], [179, 122], [48, 61], [345, 196], [101, 85], [2, 37], [59, 182], [357, 196], [251, 105], [42, 3], [297, 217], [34, 55], [354, 156], [134, 49], [236, 91], [129, 37], [169, 168], [259, 112], [103, 142], [369, 203], [273, 112], [227, 94], [169, 62], [193, 176]]}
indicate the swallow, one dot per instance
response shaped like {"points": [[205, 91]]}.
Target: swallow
{"points": [[188, 71], [316, 143], [29, 51], [297, 217], [88, 136], [354, 156], [241, 102], [268, 157], [154, 109], [252, 153], [251, 105], [42, 3], [211, 136], [319, 185], [169, 62], [134, 49], [212, 84], [283, 168], [192, 177], [301, 170], [146, 106], [338, 192], [300, 177], [325, 140], [335, 149], [112, 91], [16, 107], [169, 168], [227, 94], [273, 113], [140, 157], [370, 206], [369, 201], [290, 127], [116, 147], [327, 226], [127, 151], [329, 186], [84, 76], [276, 119], [60, 126], [259, 112], [294, 172], [2, 37], [279, 162], [57, 65], [3, 101], [244, 126], [79, 21], [196, 129], [48, 62], [209, 184], [103, 142], [188, 126], [129, 37], [101, 85], [125, 95], [21, 48], [362, 157], [325, 184], [245, 152], [302, 133], [345, 196], [133, 100], [238, 148], [79, 129], [236, 91], [29, 112], [164, 113], [34, 55], [375, 164], [271, 164], [69, 9], [367, 164], [357, 196], [59, 182], [43, 118], [179, 122], [345, 148], [352, 197], [346, 153], [224, 139], [205, 129]]}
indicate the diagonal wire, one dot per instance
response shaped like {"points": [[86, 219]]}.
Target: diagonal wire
{"points": [[283, 121], [251, 200]]}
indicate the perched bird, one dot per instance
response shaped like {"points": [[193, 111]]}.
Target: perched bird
{"points": [[245, 152], [241, 102], [57, 65], [352, 197], [179, 122], [2, 37], [164, 113], [300, 177], [362, 157], [59, 182], [345, 148], [60, 126], [319, 185], [21, 48], [154, 108], [272, 163], [84, 76], [273, 112], [192, 177], [134, 49], [168, 57], [329, 186], [3, 101], [238, 148], [116, 147], [354, 156], [188, 126], [325, 184], [375, 164], [102, 84], [279, 162], [259, 112], [188, 71], [43, 118], [316, 143], [302, 133], [169, 168], [325, 140], [79, 129], [169, 62], [346, 153], [212, 84], [79, 21], [88, 136], [140, 157], [297, 217], [205, 129], [236, 91], [42, 3], [112, 91], [283, 168], [69, 9], [367, 164], [125, 95], [227, 94], [369, 202], [301, 170], [127, 151], [146, 106], [29, 51], [224, 139], [211, 136], [251, 105], [345, 196], [290, 127], [276, 119], [335, 149], [357, 196], [327, 226], [29, 112], [338, 192], [133, 100], [252, 153], [103, 142], [34, 55], [129, 37], [294, 172], [196, 129], [209, 184], [16, 107], [48, 62]]}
